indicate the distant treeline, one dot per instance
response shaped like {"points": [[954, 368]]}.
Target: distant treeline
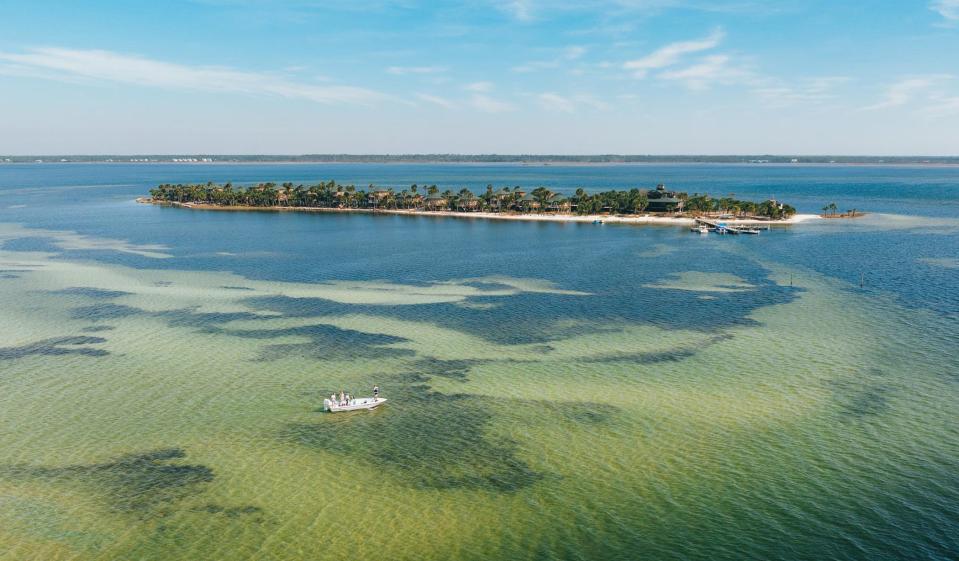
{"points": [[541, 199], [492, 158]]}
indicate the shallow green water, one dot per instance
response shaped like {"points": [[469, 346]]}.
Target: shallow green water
{"points": [[656, 397]]}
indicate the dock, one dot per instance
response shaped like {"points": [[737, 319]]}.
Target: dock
{"points": [[739, 228]]}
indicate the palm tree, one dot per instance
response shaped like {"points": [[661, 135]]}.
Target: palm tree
{"points": [[465, 198], [330, 195], [542, 196], [638, 200]]}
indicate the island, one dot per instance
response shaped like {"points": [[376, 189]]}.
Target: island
{"points": [[637, 206]]}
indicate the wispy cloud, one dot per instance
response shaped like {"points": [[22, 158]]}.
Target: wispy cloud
{"points": [[776, 93], [402, 70], [534, 65], [478, 87], [905, 90], [488, 104], [672, 53], [567, 56], [942, 105], [712, 69], [436, 100], [107, 66], [521, 10], [482, 101], [553, 101], [948, 9], [574, 52], [590, 101]]}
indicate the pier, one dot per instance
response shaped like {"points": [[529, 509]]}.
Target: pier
{"points": [[741, 227]]}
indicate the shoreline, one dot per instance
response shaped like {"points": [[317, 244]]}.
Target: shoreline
{"points": [[946, 165], [526, 217]]}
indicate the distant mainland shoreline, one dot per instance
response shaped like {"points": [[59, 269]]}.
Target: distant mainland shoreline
{"points": [[518, 159]]}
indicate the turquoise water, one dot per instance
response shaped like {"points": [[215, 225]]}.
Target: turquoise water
{"points": [[560, 391]]}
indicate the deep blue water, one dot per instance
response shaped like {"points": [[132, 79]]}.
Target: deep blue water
{"points": [[889, 254]]}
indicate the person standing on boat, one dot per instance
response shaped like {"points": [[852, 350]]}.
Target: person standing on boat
{"points": [[376, 392]]}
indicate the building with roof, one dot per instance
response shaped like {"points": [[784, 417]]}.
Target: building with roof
{"points": [[528, 202], [661, 200], [436, 202]]}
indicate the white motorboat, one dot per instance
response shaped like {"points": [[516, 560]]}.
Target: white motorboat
{"points": [[355, 404]]}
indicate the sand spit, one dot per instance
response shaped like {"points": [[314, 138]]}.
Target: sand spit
{"points": [[531, 217]]}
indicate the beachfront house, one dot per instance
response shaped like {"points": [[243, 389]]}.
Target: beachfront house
{"points": [[377, 197], [499, 201], [469, 203], [661, 200], [436, 202], [559, 204], [528, 202]]}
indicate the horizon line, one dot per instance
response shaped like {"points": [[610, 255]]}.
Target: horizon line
{"points": [[394, 155]]}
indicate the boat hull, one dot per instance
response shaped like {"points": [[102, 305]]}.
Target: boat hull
{"points": [[359, 404]]}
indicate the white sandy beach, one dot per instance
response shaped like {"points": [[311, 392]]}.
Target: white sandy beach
{"points": [[530, 217], [605, 218]]}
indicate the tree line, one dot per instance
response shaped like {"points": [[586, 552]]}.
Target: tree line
{"points": [[429, 197], [703, 204]]}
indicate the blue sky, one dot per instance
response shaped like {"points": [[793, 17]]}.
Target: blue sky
{"points": [[480, 76]]}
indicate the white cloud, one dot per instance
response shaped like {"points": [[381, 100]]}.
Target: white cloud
{"points": [[924, 93], [483, 102], [535, 65], [949, 9], [555, 102], [521, 10], [905, 90], [591, 101], [552, 101], [941, 105], [401, 70], [479, 87], [672, 54], [436, 100], [568, 55], [712, 69], [106, 66], [574, 52], [487, 104], [775, 93]]}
